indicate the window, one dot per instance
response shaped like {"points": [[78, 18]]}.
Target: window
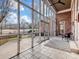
{"points": [[37, 5], [41, 7], [27, 2], [52, 13], [25, 28], [49, 12], [8, 28], [45, 9], [36, 28]]}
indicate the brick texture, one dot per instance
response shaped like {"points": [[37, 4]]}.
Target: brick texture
{"points": [[67, 18]]}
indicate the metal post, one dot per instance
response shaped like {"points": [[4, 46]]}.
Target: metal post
{"points": [[1, 28], [18, 36], [44, 17], [40, 21], [48, 30], [32, 23], [32, 46]]}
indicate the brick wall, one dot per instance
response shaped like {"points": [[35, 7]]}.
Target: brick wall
{"points": [[67, 18]]}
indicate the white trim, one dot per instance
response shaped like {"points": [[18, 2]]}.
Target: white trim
{"points": [[63, 11]]}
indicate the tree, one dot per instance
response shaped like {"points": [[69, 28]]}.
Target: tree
{"points": [[4, 6]]}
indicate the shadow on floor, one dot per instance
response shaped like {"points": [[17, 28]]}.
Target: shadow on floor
{"points": [[59, 44]]}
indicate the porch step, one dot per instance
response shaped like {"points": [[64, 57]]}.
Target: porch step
{"points": [[73, 46]]}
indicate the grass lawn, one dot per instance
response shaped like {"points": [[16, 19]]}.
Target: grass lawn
{"points": [[3, 41], [11, 38]]}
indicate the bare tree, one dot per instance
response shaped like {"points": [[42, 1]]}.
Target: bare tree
{"points": [[4, 10]]}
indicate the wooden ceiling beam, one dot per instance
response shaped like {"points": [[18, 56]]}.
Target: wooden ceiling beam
{"points": [[51, 4], [57, 6]]}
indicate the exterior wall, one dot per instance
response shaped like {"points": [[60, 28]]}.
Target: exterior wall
{"points": [[49, 27], [64, 17], [51, 20]]}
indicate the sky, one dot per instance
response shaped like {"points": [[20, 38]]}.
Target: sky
{"points": [[25, 13]]}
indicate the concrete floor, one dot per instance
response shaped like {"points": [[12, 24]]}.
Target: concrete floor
{"points": [[10, 48], [50, 49]]}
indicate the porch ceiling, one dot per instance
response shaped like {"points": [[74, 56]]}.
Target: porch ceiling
{"points": [[59, 6]]}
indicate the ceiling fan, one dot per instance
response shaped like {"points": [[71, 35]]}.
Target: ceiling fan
{"points": [[59, 1]]}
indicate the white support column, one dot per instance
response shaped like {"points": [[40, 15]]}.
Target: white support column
{"points": [[74, 18]]}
